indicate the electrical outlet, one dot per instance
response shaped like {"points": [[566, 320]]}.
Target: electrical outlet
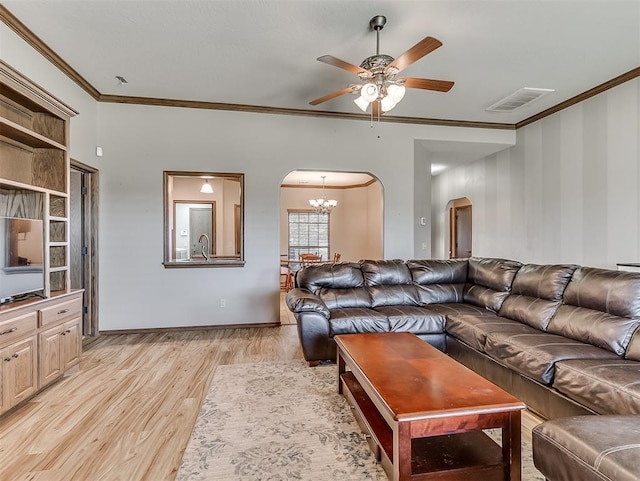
{"points": [[424, 246], [223, 303]]}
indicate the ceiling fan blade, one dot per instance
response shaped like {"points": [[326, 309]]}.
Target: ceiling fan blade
{"points": [[419, 50], [333, 95], [427, 84], [349, 67]]}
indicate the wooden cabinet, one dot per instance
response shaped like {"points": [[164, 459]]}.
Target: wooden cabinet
{"points": [[59, 349], [18, 372], [39, 341]]}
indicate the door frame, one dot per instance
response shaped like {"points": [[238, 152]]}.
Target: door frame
{"points": [[90, 198]]}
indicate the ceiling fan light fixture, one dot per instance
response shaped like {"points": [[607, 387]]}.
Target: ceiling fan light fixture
{"points": [[361, 103], [369, 92], [396, 92], [387, 103]]}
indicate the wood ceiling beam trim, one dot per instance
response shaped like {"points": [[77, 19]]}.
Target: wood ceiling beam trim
{"points": [[36, 42], [197, 104]]}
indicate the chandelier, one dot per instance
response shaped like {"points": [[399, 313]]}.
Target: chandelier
{"points": [[322, 205]]}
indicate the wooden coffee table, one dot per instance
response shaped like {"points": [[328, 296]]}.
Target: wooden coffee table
{"points": [[423, 413]]}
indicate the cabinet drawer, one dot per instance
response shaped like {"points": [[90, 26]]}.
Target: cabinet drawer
{"points": [[18, 327], [60, 312]]}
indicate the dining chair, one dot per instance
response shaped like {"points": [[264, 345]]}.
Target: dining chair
{"points": [[286, 278], [309, 259]]}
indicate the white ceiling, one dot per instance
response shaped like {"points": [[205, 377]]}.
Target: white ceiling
{"points": [[263, 52]]}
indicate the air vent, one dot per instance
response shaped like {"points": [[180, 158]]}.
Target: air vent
{"points": [[518, 99]]}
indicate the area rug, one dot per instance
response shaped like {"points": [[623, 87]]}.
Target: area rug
{"points": [[281, 421]]}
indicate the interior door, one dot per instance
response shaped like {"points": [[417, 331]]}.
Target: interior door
{"points": [[83, 241], [200, 222], [463, 231]]}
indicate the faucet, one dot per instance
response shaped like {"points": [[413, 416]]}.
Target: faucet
{"points": [[205, 253]]}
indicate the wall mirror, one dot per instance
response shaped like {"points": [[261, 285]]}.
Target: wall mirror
{"points": [[203, 219]]}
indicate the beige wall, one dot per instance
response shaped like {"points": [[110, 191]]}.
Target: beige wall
{"points": [[355, 229]]}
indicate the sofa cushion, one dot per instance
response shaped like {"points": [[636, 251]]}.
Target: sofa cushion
{"points": [[439, 293], [459, 309], [341, 298], [594, 327], [489, 281], [436, 271], [588, 448], [387, 272], [615, 292], [535, 354], [536, 294], [334, 276], [439, 280], [601, 307], [399, 295], [633, 349], [357, 320], [473, 330], [415, 319], [606, 386]]}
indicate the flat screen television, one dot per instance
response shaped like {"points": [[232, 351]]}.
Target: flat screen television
{"points": [[21, 257]]}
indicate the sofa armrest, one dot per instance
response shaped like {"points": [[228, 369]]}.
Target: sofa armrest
{"points": [[301, 300]]}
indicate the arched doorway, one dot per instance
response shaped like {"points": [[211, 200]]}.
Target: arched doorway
{"points": [[460, 227]]}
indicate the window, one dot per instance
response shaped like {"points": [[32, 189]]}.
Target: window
{"points": [[308, 234], [203, 221]]}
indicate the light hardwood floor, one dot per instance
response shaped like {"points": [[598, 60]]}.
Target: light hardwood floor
{"points": [[128, 411]]}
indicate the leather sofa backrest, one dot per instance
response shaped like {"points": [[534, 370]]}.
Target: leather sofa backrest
{"points": [[385, 272], [439, 281], [600, 307], [489, 281], [339, 285], [344, 275], [633, 349], [536, 294], [389, 283]]}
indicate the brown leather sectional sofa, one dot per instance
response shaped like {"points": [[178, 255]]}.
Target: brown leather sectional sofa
{"points": [[562, 338]]}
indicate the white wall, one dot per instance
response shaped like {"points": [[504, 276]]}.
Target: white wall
{"points": [[139, 142], [567, 192]]}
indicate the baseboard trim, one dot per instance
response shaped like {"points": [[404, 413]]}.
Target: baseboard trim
{"points": [[153, 330]]}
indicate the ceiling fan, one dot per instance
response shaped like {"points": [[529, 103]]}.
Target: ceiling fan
{"points": [[379, 85]]}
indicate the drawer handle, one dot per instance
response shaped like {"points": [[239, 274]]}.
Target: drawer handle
{"points": [[63, 311], [68, 331], [13, 329], [15, 356], [7, 359]]}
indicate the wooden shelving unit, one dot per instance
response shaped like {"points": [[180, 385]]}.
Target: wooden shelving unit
{"points": [[40, 339], [34, 139]]}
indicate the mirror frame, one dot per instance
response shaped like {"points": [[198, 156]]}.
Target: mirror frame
{"points": [[169, 219]]}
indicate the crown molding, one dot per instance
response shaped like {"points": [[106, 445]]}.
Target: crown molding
{"points": [[609, 84], [36, 42], [197, 104]]}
